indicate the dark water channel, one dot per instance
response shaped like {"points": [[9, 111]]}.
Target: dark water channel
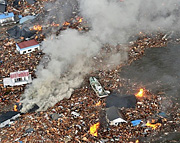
{"points": [[158, 71]]}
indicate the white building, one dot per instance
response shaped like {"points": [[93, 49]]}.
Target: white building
{"points": [[27, 46], [17, 78]]}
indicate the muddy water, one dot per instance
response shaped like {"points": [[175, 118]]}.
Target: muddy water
{"points": [[158, 71]]}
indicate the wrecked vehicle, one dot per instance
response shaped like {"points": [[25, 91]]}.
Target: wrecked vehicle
{"points": [[98, 89]]}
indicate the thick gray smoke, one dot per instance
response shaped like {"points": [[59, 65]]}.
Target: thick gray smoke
{"points": [[112, 21]]}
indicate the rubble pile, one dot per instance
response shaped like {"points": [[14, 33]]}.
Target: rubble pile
{"points": [[70, 119], [145, 41]]}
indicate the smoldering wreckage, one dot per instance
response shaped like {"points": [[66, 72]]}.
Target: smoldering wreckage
{"points": [[98, 110]]}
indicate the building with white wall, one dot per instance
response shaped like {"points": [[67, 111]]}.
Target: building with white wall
{"points": [[17, 78], [27, 46]]}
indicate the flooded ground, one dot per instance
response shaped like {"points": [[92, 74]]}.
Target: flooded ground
{"points": [[158, 71]]}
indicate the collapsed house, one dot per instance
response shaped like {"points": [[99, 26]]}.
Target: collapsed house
{"points": [[8, 117], [27, 46], [114, 102], [17, 78], [114, 116], [8, 18], [16, 32]]}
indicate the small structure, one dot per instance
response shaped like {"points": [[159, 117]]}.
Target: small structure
{"points": [[17, 78], [8, 19], [8, 117], [3, 5], [27, 46], [114, 116]]}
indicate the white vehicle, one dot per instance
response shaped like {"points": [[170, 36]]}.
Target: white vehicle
{"points": [[96, 86]]}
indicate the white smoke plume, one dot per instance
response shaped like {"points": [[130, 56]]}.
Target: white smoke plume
{"points": [[112, 21]]}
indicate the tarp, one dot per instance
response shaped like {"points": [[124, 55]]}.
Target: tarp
{"points": [[26, 18], [118, 100], [136, 122]]}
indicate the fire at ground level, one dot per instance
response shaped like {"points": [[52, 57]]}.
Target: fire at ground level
{"points": [[81, 118], [43, 126]]}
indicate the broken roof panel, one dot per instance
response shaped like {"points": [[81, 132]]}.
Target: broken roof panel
{"points": [[26, 18], [118, 100]]}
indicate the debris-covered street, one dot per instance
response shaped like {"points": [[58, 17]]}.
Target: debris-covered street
{"points": [[103, 106]]}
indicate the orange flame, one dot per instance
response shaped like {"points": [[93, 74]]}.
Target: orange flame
{"points": [[98, 103], [140, 93], [137, 141], [94, 128], [154, 126], [37, 27], [55, 25], [15, 108], [79, 19], [66, 23]]}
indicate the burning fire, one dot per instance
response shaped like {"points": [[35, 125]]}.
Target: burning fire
{"points": [[37, 27], [66, 23], [94, 129], [79, 19], [54, 24], [154, 126], [140, 93], [137, 141], [98, 103], [15, 108]]}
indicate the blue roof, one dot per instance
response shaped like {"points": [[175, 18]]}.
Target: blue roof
{"points": [[3, 16], [26, 18]]}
